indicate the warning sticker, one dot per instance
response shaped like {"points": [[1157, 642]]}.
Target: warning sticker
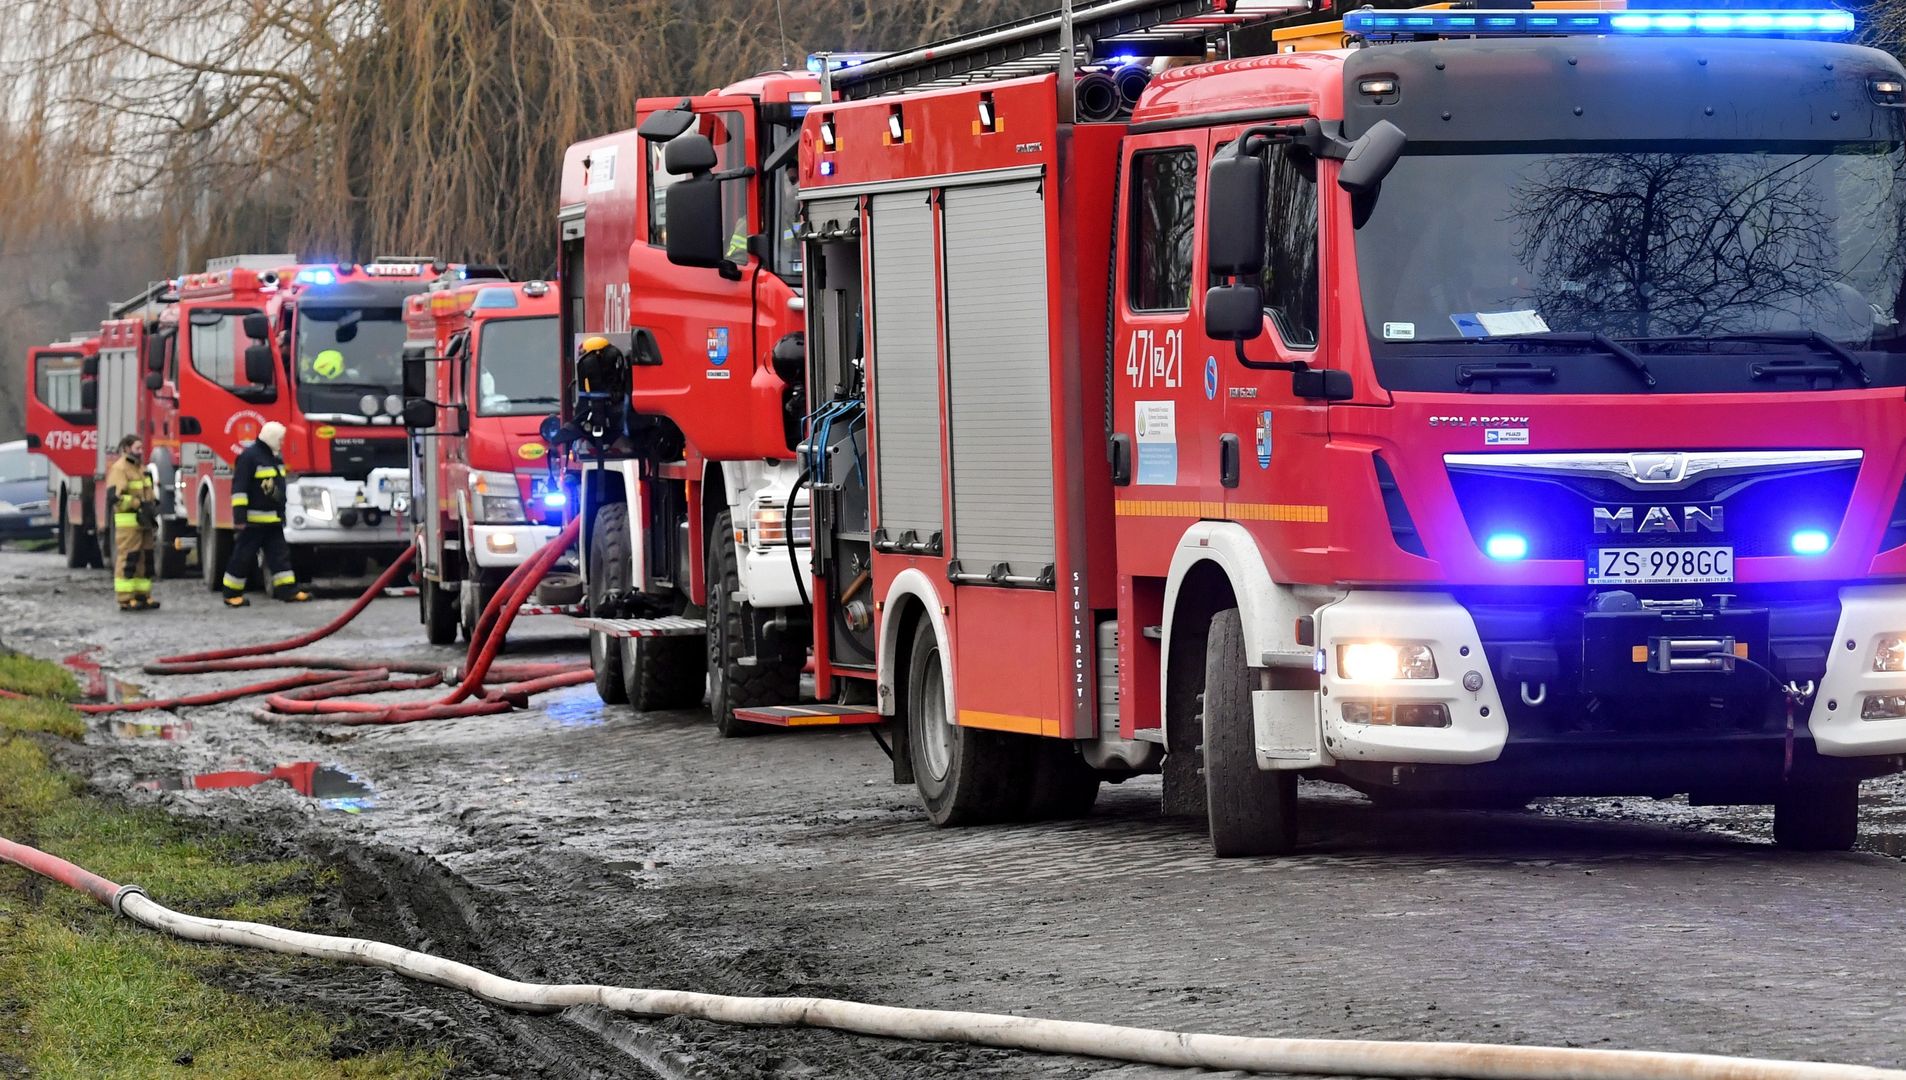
{"points": [[1156, 426]]}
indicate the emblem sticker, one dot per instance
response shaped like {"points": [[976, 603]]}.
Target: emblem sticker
{"points": [[1264, 439], [530, 451], [1211, 378], [717, 345], [1156, 426], [326, 431]]}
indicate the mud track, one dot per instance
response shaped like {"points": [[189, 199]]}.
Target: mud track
{"points": [[574, 842]]}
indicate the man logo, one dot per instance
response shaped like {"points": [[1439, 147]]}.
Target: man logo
{"points": [[1654, 520]]}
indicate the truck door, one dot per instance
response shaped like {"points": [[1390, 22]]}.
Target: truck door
{"points": [[1165, 377], [714, 377], [216, 400], [58, 425], [1270, 439]]}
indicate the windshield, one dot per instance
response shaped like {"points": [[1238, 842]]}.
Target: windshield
{"points": [[56, 383], [345, 354], [516, 367], [1639, 240]]}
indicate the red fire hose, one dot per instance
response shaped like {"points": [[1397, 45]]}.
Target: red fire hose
{"points": [[313, 695]]}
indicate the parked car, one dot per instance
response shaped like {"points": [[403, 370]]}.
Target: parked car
{"points": [[25, 513]]}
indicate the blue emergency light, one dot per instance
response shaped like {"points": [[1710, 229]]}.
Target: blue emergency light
{"points": [[554, 498], [817, 61], [1676, 22], [316, 275], [500, 297]]}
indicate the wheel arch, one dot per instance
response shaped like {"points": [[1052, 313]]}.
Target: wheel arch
{"points": [[910, 596]]}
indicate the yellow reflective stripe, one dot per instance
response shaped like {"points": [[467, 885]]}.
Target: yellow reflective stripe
{"points": [[141, 585], [241, 499], [234, 583], [270, 472], [289, 577], [126, 519], [123, 584], [263, 519]]}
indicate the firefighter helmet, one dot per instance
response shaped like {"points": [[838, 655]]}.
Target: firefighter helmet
{"points": [[328, 364]]}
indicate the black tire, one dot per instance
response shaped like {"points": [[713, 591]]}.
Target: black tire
{"points": [[439, 612], [1250, 811], [168, 562], [608, 573], [77, 544], [1818, 817], [731, 684], [1063, 786], [61, 543], [215, 549], [974, 776], [473, 596], [664, 672]]}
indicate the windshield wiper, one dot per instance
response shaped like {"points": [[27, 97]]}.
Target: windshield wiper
{"points": [[1847, 360], [1564, 337]]}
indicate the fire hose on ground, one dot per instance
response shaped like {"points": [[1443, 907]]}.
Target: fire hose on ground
{"points": [[1358, 1057], [317, 694]]}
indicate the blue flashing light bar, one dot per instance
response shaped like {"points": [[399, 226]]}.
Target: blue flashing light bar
{"points": [[555, 498], [500, 297], [1383, 25], [316, 275], [839, 60]]}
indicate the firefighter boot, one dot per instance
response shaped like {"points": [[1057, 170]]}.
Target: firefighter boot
{"points": [[291, 594], [146, 602]]}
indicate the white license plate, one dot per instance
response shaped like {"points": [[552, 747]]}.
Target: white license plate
{"points": [[38, 521], [1661, 566]]}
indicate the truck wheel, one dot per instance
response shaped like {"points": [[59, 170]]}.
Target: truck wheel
{"points": [[1251, 811], [439, 611], [76, 542], [608, 573], [731, 684], [472, 597], [215, 549], [61, 543], [168, 562], [966, 776], [1818, 817], [1063, 786], [663, 672]]}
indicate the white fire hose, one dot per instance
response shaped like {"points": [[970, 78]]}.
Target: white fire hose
{"points": [[1358, 1057]]}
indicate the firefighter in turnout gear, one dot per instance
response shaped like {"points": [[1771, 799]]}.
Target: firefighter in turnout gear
{"points": [[258, 505], [135, 507]]}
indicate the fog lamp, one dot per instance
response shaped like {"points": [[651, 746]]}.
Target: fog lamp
{"points": [[1421, 714], [1381, 661], [501, 543], [1890, 653]]}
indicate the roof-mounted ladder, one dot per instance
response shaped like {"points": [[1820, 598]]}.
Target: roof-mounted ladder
{"points": [[1078, 33]]}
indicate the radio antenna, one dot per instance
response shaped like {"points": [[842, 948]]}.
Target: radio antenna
{"points": [[787, 47]]}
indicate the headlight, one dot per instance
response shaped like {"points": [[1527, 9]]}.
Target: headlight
{"points": [[1890, 655], [316, 502], [1397, 714], [8, 508], [1884, 707], [767, 526], [1380, 661], [495, 500]]}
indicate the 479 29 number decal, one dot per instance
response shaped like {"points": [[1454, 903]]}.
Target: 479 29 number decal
{"points": [[1155, 358]]}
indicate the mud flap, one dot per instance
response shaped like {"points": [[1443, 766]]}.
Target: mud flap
{"points": [[1288, 728], [902, 751]]}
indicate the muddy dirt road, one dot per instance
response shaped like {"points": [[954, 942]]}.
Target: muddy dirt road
{"points": [[578, 842]]}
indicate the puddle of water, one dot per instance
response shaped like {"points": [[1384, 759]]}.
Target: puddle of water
{"points": [[581, 710], [331, 786], [119, 691], [82, 664], [168, 730]]}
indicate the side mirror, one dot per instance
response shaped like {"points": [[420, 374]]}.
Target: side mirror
{"points": [[155, 355], [154, 381], [550, 427], [689, 155], [89, 367], [665, 125], [419, 413], [89, 395], [696, 233], [258, 366], [1371, 158], [32, 441], [1234, 214], [1234, 312], [257, 326], [416, 376]]}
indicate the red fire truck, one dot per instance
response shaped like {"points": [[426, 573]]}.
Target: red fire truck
{"points": [[688, 464], [1328, 417], [61, 427], [317, 348], [479, 376]]}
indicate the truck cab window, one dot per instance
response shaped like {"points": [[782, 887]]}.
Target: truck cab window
{"points": [[57, 380], [516, 367], [1290, 251], [1163, 207], [218, 348]]}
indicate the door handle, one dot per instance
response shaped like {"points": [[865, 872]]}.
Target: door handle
{"points": [[1121, 450], [1228, 460]]}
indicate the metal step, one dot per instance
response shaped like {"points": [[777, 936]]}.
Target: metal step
{"points": [[810, 715], [667, 626], [552, 609]]}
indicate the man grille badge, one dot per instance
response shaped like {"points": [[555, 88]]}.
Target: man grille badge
{"points": [[1659, 468]]}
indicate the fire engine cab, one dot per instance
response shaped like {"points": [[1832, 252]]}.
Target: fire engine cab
{"points": [[686, 449], [64, 429], [479, 378], [1470, 404]]}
